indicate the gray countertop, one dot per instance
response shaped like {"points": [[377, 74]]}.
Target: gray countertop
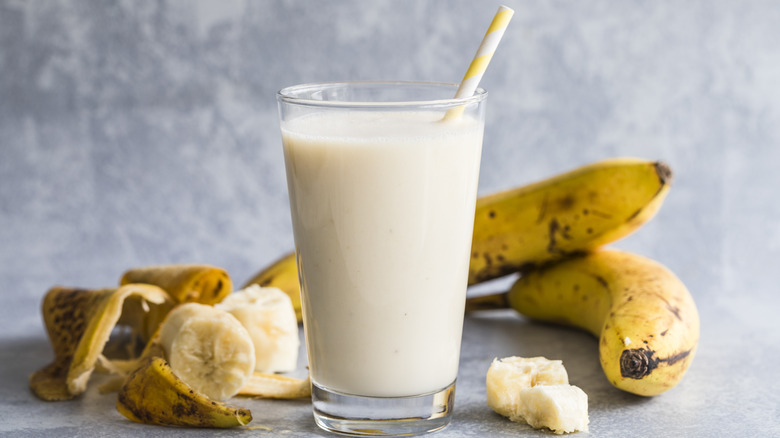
{"points": [[145, 133]]}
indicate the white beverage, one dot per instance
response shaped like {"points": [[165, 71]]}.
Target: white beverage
{"points": [[383, 211]]}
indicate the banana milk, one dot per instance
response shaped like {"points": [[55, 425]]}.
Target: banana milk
{"points": [[383, 211]]}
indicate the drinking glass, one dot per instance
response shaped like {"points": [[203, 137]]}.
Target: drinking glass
{"points": [[382, 183]]}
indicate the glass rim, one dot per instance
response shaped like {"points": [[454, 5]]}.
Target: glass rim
{"points": [[286, 95]]}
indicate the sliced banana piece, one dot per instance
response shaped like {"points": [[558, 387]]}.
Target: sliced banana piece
{"points": [[264, 385], [560, 408], [508, 375], [268, 315], [208, 349], [536, 391]]}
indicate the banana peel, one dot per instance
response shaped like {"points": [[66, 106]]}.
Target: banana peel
{"points": [[79, 323], [153, 394], [184, 283]]}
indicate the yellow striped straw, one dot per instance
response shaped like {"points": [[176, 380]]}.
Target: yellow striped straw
{"points": [[482, 58]]}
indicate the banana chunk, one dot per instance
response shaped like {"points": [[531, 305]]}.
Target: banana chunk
{"points": [[268, 315], [536, 391], [560, 408], [508, 375], [208, 349]]}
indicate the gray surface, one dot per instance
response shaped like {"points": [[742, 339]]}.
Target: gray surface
{"points": [[135, 133]]}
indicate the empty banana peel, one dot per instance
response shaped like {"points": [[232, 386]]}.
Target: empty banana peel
{"points": [[153, 394], [185, 283], [265, 385], [79, 323]]}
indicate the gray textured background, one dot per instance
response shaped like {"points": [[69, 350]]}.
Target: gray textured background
{"points": [[140, 132]]}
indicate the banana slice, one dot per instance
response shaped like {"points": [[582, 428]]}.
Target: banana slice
{"points": [[560, 408], [536, 391], [508, 375], [268, 315], [208, 349]]}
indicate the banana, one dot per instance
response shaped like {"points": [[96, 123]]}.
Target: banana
{"points": [[569, 213], [645, 318], [154, 394], [529, 226], [282, 274], [208, 349], [536, 391], [267, 314]]}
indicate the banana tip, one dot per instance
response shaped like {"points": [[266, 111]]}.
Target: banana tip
{"points": [[664, 172]]}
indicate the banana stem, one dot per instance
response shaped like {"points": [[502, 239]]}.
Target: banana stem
{"points": [[488, 302]]}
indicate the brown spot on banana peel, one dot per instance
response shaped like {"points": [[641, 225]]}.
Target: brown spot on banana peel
{"points": [[664, 173], [637, 363], [602, 281], [555, 229], [542, 209], [675, 310], [566, 202], [217, 289], [601, 214]]}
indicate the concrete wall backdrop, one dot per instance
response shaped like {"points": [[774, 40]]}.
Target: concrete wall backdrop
{"points": [[143, 132]]}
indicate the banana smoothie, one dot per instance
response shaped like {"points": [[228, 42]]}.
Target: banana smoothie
{"points": [[383, 209]]}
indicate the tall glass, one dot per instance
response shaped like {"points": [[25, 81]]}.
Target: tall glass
{"points": [[382, 195]]}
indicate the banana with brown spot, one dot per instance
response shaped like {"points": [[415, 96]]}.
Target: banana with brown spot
{"points": [[570, 213], [644, 316]]}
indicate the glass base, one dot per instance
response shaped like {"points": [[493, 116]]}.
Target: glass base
{"points": [[382, 416]]}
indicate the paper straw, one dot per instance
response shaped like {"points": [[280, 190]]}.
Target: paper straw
{"points": [[482, 58]]}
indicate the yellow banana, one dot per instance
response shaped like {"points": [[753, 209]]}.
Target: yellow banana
{"points": [[569, 213], [153, 394], [549, 220], [644, 316]]}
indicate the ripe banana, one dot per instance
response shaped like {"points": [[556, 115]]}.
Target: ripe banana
{"points": [[536, 390], [644, 316], [569, 213], [268, 315], [154, 394], [549, 220], [208, 349]]}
